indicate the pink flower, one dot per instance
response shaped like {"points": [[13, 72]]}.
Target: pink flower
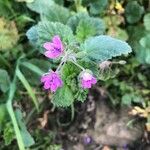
{"points": [[51, 81], [53, 49], [87, 79]]}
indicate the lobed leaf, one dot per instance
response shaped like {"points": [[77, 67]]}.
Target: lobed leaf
{"points": [[101, 48], [85, 26], [63, 97]]}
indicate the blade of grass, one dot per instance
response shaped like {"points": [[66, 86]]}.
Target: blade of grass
{"points": [[27, 86], [12, 115], [33, 68]]}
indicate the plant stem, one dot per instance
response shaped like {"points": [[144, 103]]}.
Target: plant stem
{"points": [[72, 111], [77, 65]]}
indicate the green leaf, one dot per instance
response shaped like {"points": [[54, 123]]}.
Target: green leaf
{"points": [[143, 52], [3, 114], [98, 49], [135, 34], [63, 97], [33, 70], [40, 6], [27, 86], [126, 99], [108, 73], [32, 35], [118, 33], [71, 90], [147, 21], [98, 6], [26, 136], [4, 80], [81, 95], [133, 12], [50, 11], [6, 8], [82, 21], [46, 30], [12, 115], [8, 133], [88, 27]]}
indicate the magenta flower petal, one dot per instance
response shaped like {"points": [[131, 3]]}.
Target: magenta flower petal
{"points": [[55, 48], [51, 81], [56, 40], [48, 46], [51, 54], [87, 79]]}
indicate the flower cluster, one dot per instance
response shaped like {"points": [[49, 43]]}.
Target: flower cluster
{"points": [[52, 80]]}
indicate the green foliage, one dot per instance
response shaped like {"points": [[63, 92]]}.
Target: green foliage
{"points": [[4, 80], [9, 134], [27, 86], [108, 73], [144, 50], [96, 6], [127, 99], [147, 21], [3, 115], [50, 11], [118, 33], [85, 26], [63, 97], [34, 69], [5, 7], [98, 49], [89, 27], [26, 136], [71, 90], [40, 6], [8, 34], [133, 12], [79, 33]]}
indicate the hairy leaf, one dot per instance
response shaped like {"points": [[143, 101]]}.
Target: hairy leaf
{"points": [[133, 12], [89, 27], [50, 11], [96, 23], [63, 97], [98, 6], [101, 48]]}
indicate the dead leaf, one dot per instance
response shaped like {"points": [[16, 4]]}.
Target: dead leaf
{"points": [[106, 148], [43, 121]]}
